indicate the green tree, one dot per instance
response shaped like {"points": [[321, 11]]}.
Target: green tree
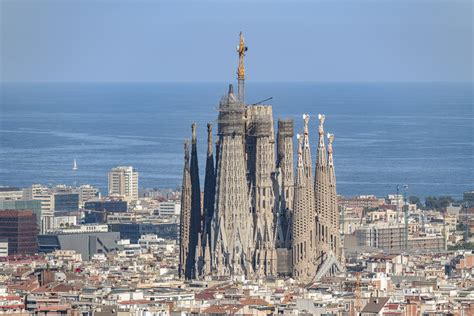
{"points": [[431, 202], [462, 246], [444, 201], [415, 200], [438, 203]]}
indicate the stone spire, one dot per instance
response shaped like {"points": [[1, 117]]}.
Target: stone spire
{"points": [[322, 194], [185, 217], [262, 164], [196, 216], [334, 221], [209, 188], [241, 49], [303, 243], [285, 167], [232, 221], [217, 157]]}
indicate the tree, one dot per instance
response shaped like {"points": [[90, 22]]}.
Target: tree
{"points": [[462, 246], [444, 201], [438, 203], [431, 202], [415, 200]]}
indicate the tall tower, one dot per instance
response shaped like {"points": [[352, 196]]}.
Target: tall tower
{"points": [[241, 49], [334, 220], [285, 168], [209, 186], [261, 165], [232, 222], [185, 217], [196, 216], [322, 194], [303, 243]]}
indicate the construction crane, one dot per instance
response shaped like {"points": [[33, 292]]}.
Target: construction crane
{"points": [[466, 225], [405, 212], [260, 102]]}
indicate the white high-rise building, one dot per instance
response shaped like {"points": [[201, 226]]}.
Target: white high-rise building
{"points": [[123, 181]]}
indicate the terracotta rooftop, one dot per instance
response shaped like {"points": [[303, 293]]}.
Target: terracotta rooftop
{"points": [[204, 296], [223, 309], [254, 301]]}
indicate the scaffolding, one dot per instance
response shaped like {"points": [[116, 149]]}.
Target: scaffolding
{"points": [[231, 115]]}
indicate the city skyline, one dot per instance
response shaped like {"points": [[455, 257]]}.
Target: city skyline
{"points": [[367, 209]]}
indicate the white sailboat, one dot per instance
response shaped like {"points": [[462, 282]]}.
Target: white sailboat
{"points": [[74, 165]]}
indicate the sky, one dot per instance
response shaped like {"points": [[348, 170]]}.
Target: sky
{"points": [[183, 41]]}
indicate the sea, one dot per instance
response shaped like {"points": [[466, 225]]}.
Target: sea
{"points": [[386, 134]]}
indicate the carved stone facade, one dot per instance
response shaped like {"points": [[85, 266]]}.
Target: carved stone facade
{"points": [[233, 247], [303, 227], [185, 218], [285, 183], [259, 218], [261, 166]]}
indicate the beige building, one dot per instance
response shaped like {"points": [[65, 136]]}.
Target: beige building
{"points": [[384, 236], [384, 215], [86, 193], [360, 201], [123, 181], [3, 247], [43, 194], [10, 193]]}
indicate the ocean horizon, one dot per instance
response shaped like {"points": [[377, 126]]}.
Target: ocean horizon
{"points": [[387, 134]]}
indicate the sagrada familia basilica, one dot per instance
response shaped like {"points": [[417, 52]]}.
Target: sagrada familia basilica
{"points": [[260, 216]]}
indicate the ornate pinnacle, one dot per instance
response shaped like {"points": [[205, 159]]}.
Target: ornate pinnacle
{"points": [[209, 138], [300, 164], [241, 49], [330, 141], [193, 129], [300, 142], [186, 150], [306, 122], [321, 118]]}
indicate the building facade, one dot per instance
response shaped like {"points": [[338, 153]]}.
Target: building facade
{"points": [[265, 219], [20, 228], [123, 181], [10, 193], [65, 202], [3, 247]]}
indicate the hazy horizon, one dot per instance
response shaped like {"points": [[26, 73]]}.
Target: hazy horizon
{"points": [[185, 41]]}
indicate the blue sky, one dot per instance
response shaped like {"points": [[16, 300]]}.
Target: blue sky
{"points": [[333, 40]]}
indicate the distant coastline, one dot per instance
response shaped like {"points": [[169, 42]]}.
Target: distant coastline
{"points": [[387, 133]]}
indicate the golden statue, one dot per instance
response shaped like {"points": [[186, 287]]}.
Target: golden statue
{"points": [[241, 49]]}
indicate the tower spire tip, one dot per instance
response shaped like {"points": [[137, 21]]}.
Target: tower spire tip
{"points": [[193, 129]]}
